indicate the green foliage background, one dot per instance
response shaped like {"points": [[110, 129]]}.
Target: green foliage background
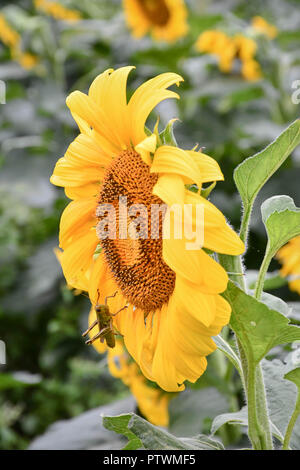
{"points": [[50, 374]]}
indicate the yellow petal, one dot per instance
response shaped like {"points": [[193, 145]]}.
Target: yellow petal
{"points": [[170, 189], [76, 220], [98, 273], [147, 146], [174, 160], [109, 93], [77, 259], [208, 167], [224, 240], [84, 151], [67, 174], [86, 109], [84, 191], [145, 98], [195, 266], [190, 301]]}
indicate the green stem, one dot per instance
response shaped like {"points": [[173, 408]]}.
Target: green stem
{"points": [[234, 267], [291, 425], [253, 424], [262, 273], [245, 223], [258, 421], [262, 410], [261, 400], [259, 425]]}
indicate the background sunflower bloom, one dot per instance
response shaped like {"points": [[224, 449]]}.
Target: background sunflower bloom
{"points": [[165, 19], [151, 400], [289, 256]]}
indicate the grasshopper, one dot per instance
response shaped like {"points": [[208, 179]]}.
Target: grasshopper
{"points": [[105, 325]]}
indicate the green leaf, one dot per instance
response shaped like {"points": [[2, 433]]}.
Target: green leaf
{"points": [[143, 434], [167, 135], [282, 221], [281, 397], [275, 303], [294, 376], [292, 431], [229, 353], [258, 327], [203, 442], [119, 424], [239, 417], [251, 175]]}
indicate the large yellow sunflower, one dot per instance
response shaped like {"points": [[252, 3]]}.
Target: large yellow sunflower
{"points": [[289, 256], [165, 19], [172, 293]]}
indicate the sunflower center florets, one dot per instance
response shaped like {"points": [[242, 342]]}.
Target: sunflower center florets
{"points": [[135, 260], [156, 11]]}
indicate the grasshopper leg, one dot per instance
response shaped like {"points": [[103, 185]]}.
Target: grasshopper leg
{"points": [[90, 328], [98, 335], [109, 297]]}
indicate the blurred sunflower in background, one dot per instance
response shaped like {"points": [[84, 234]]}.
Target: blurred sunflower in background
{"points": [[263, 27], [165, 19], [172, 294], [289, 257], [151, 400], [12, 39], [57, 11], [228, 49]]}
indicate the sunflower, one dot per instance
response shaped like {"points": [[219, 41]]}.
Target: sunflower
{"points": [[263, 27], [171, 293], [228, 48], [251, 70], [151, 400], [8, 35], [218, 43], [289, 256], [57, 11], [166, 19]]}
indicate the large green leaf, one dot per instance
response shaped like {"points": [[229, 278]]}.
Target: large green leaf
{"points": [[251, 175], [142, 434], [258, 327]]}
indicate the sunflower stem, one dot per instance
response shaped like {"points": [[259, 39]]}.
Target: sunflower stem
{"points": [[244, 230], [234, 267], [258, 420], [262, 274], [291, 425]]}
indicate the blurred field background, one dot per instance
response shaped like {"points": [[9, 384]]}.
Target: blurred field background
{"points": [[50, 374]]}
